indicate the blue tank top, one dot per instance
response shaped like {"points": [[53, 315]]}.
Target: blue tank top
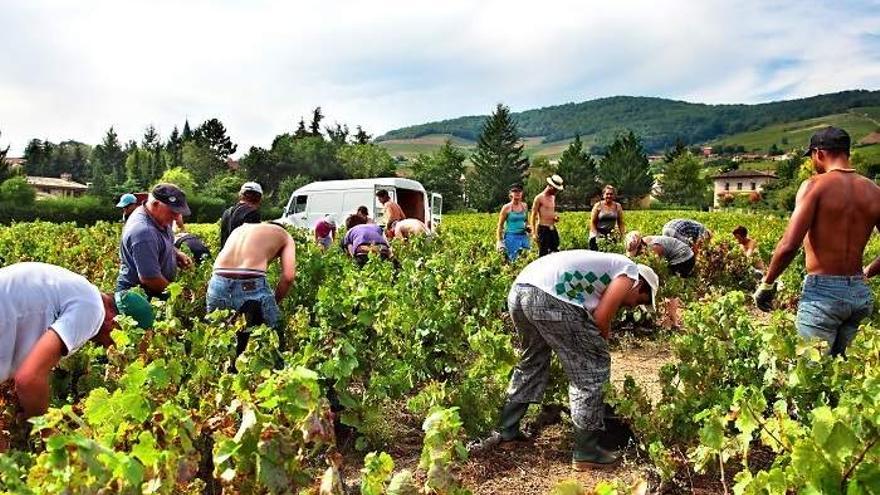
{"points": [[516, 222]]}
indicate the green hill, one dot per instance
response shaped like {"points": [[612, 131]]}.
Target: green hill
{"points": [[659, 122], [858, 122]]}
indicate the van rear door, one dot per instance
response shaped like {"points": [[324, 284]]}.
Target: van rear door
{"points": [[378, 209], [436, 210]]}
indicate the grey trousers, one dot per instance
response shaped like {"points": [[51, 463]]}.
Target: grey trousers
{"points": [[545, 323]]}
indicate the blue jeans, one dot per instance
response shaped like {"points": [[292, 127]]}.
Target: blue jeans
{"points": [[514, 243], [232, 293], [831, 308]]}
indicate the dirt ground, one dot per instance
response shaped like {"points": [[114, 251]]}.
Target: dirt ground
{"points": [[537, 467]]}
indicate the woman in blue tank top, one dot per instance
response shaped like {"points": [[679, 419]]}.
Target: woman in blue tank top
{"points": [[512, 235]]}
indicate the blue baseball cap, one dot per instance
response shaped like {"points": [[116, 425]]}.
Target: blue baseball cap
{"points": [[125, 200]]}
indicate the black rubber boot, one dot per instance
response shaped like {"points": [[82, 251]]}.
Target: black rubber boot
{"points": [[588, 454], [511, 414]]}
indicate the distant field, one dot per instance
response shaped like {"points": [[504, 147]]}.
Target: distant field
{"points": [[859, 123], [410, 148]]}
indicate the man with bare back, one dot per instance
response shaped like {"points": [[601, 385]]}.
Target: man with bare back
{"points": [[240, 272], [543, 218], [835, 213]]}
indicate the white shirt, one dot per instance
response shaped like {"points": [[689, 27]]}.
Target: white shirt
{"points": [[35, 297], [577, 276]]}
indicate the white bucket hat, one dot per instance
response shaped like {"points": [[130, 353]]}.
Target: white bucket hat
{"points": [[650, 276]]}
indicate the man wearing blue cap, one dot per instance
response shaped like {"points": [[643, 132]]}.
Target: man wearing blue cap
{"points": [[835, 213], [46, 313], [128, 203], [147, 253]]}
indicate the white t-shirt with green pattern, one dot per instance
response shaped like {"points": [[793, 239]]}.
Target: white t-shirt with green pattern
{"points": [[578, 276]]}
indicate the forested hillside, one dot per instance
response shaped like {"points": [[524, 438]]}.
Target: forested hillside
{"points": [[659, 122]]}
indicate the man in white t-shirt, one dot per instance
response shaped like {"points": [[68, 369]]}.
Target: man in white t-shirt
{"points": [[46, 313], [564, 302]]}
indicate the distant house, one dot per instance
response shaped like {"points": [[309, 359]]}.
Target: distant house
{"points": [[54, 187], [707, 151], [15, 163], [740, 182]]}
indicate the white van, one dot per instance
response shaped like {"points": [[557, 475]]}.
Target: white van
{"points": [[341, 198]]}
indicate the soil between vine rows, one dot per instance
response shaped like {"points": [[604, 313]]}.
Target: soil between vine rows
{"points": [[537, 467]]}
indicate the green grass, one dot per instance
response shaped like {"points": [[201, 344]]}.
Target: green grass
{"points": [[858, 122]]}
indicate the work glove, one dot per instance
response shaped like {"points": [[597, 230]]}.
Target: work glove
{"points": [[499, 246], [764, 295]]}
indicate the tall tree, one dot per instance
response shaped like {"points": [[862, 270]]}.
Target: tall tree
{"points": [[152, 144], [578, 169], [315, 125], [498, 161], [681, 183], [625, 166], [442, 172], [108, 158], [338, 134], [187, 133], [301, 130], [678, 149], [364, 161], [202, 162], [361, 136], [174, 147], [212, 135], [34, 157]]}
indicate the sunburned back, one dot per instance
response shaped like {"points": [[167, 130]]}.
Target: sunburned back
{"points": [[847, 211], [252, 246]]}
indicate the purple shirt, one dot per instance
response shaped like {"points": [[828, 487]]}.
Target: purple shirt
{"points": [[359, 235]]}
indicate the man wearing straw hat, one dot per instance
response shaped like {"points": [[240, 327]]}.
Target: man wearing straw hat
{"points": [[544, 218]]}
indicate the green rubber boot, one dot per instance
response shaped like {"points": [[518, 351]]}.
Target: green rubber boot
{"points": [[511, 414], [588, 454]]}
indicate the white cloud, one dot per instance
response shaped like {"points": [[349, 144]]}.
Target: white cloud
{"points": [[71, 71]]}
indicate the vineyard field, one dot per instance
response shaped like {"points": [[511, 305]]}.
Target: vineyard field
{"points": [[413, 359]]}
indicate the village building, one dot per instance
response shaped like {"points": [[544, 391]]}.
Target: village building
{"points": [[739, 182], [55, 187]]}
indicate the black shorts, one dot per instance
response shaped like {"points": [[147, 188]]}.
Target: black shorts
{"points": [[685, 268], [548, 240]]}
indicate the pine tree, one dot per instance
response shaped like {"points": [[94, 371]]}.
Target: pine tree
{"points": [[301, 130], [681, 183], [361, 136], [187, 134], [212, 135], [625, 166], [498, 161], [678, 149], [174, 147], [578, 169], [315, 125], [338, 134], [108, 158]]}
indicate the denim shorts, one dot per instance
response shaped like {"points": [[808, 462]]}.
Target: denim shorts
{"points": [[232, 293], [514, 243], [831, 308]]}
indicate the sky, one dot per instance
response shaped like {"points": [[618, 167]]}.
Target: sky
{"points": [[70, 70]]}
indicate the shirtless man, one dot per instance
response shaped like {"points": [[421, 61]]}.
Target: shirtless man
{"points": [[543, 218], [409, 227], [240, 273], [835, 213], [749, 246], [393, 211]]}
